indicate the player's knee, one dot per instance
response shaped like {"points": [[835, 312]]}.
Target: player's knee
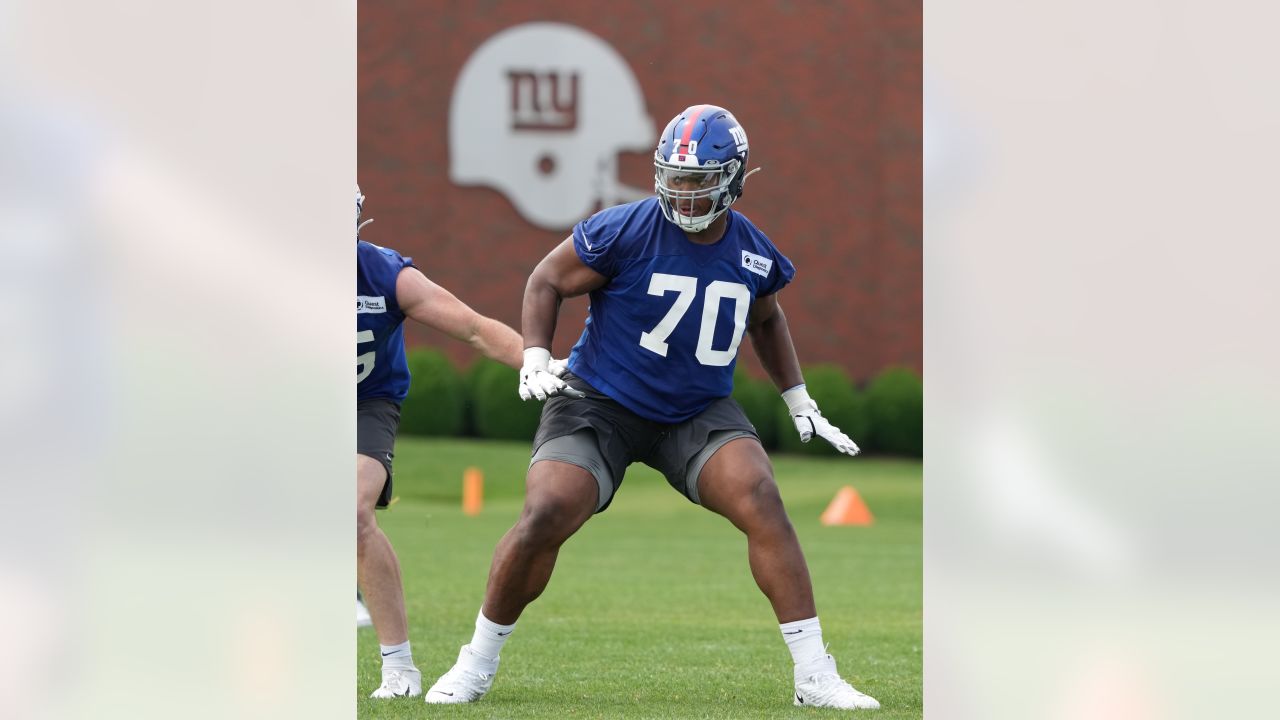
{"points": [[547, 521], [366, 523], [764, 502]]}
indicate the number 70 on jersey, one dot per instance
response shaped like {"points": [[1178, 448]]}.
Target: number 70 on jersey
{"points": [[686, 289]]}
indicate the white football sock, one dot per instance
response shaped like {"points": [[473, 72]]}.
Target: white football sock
{"points": [[489, 637], [397, 657], [804, 640]]}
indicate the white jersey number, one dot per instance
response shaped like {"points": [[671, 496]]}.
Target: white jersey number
{"points": [[687, 287], [365, 362]]}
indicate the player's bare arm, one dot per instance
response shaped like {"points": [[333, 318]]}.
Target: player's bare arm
{"points": [[767, 325], [771, 337], [422, 300], [560, 275]]}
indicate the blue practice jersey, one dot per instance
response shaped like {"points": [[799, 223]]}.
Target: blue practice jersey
{"points": [[381, 370], [662, 336]]}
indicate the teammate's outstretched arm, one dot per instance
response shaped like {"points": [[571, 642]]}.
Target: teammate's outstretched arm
{"points": [[560, 275], [437, 308], [771, 337]]}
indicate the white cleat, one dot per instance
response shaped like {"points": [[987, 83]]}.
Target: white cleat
{"points": [[467, 681], [401, 682], [819, 685], [363, 619]]}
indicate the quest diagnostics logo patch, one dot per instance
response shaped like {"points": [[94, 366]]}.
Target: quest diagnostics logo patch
{"points": [[370, 304], [756, 264]]}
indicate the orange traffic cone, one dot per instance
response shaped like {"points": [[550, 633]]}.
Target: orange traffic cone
{"points": [[847, 509], [472, 491]]}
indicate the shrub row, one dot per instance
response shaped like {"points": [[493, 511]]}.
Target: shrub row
{"points": [[885, 417]]}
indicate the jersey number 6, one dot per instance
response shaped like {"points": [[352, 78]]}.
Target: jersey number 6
{"points": [[686, 287]]}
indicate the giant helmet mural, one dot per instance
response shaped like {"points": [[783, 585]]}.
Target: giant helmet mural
{"points": [[540, 112]]}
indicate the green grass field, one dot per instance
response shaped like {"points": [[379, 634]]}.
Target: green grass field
{"points": [[652, 612]]}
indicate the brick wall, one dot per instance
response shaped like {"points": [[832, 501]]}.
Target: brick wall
{"points": [[829, 92]]}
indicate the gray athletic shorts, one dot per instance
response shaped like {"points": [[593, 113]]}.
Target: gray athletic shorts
{"points": [[601, 436], [377, 420]]}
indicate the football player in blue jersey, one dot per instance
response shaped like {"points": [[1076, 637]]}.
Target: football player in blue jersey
{"points": [[675, 281], [389, 289]]}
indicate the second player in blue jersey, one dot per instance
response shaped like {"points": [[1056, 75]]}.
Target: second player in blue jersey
{"points": [[390, 290]]}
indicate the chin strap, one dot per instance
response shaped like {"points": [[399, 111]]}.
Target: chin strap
{"points": [[749, 174], [366, 222]]}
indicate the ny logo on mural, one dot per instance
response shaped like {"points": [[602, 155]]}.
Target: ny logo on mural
{"points": [[540, 112], [543, 101]]}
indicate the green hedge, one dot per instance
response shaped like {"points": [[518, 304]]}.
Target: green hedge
{"points": [[496, 410], [435, 405], [759, 400], [895, 406], [885, 418], [839, 401]]}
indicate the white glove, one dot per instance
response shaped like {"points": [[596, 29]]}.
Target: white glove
{"points": [[537, 380], [558, 367], [809, 421]]}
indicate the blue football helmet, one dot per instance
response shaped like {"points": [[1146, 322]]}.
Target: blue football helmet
{"points": [[700, 166]]}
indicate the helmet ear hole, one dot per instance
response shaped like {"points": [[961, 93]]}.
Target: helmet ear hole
{"points": [[735, 182]]}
